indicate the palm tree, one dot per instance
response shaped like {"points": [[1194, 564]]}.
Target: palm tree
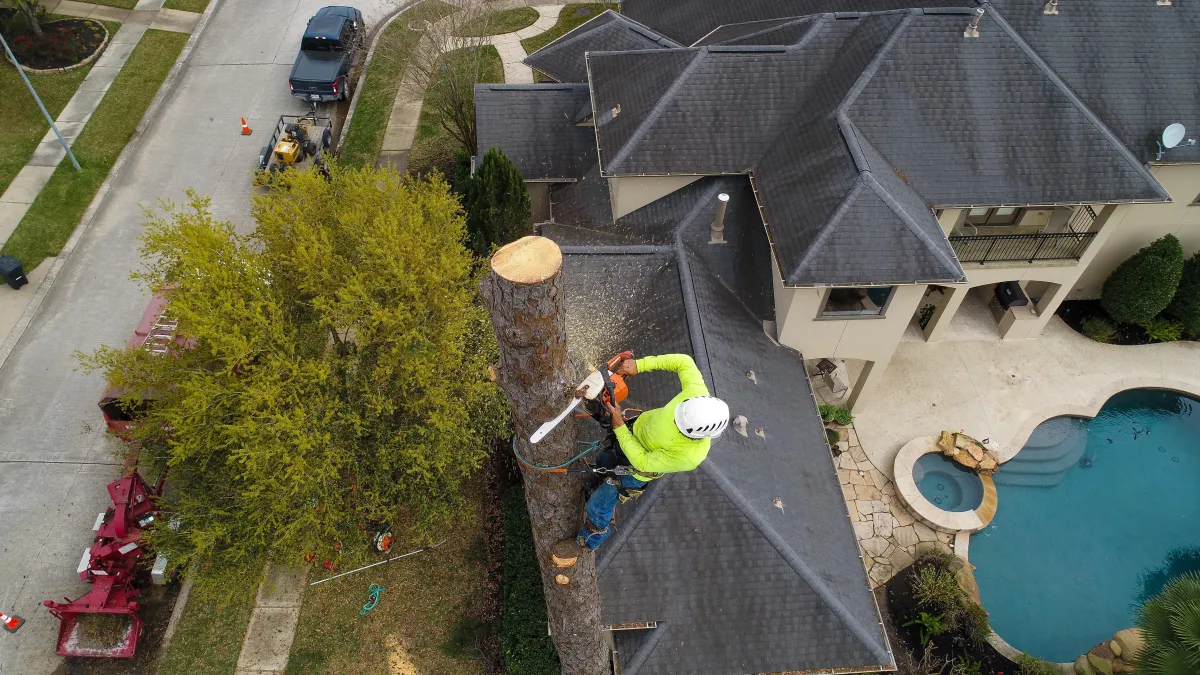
{"points": [[1170, 623]]}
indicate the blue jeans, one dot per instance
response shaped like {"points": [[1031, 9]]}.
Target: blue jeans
{"points": [[600, 508]]}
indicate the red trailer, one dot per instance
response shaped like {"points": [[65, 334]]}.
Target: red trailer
{"points": [[154, 333]]}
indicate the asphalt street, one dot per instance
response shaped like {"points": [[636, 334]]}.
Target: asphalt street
{"points": [[55, 458]]}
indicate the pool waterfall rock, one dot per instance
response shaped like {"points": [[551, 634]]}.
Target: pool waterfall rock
{"points": [[968, 452], [1111, 657]]}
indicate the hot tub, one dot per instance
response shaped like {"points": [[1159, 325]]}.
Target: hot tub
{"points": [[947, 485]]}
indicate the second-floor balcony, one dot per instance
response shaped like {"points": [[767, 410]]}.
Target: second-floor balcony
{"points": [[1063, 233], [985, 248]]}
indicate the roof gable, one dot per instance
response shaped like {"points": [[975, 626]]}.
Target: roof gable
{"points": [[534, 124], [563, 59]]}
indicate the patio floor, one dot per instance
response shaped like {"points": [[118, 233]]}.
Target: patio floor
{"points": [[1002, 389]]}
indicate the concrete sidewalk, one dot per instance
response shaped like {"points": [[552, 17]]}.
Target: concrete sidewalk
{"points": [[268, 639], [149, 13]]}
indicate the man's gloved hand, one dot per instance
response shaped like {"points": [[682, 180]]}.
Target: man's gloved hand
{"points": [[618, 417]]}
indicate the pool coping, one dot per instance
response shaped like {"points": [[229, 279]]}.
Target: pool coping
{"points": [[929, 513]]}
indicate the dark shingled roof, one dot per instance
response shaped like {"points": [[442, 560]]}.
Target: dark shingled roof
{"points": [[735, 583], [951, 121], [1133, 62], [534, 124], [687, 21], [562, 59]]}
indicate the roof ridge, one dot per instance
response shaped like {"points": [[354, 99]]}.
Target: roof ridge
{"points": [[1075, 100], [579, 31], [793, 560], [645, 649], [873, 67], [657, 111], [830, 225]]}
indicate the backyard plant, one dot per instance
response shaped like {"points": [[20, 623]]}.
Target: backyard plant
{"points": [[936, 589], [497, 204], [834, 437], [1030, 665], [1170, 624], [1142, 286], [31, 11], [926, 314], [1161, 329], [1185, 306], [930, 626], [1099, 329], [835, 414], [332, 371], [966, 666]]}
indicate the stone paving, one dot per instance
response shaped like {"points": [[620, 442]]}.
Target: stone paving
{"points": [[889, 536]]}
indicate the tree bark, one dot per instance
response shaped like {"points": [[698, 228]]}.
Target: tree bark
{"points": [[524, 295], [30, 9]]}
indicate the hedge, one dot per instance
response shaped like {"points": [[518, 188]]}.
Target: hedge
{"points": [[527, 648], [1144, 285], [1185, 306]]}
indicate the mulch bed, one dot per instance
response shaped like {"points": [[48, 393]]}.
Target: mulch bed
{"points": [[1075, 312], [900, 607], [63, 43]]}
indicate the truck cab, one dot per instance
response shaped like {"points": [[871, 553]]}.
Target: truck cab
{"points": [[330, 45]]}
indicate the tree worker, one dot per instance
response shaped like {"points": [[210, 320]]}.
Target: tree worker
{"points": [[675, 437]]}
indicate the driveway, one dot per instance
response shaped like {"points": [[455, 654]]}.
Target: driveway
{"points": [[55, 459]]}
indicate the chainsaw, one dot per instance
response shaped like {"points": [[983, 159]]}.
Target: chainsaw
{"points": [[602, 385]]}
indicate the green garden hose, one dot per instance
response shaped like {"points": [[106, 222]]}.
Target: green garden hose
{"points": [[373, 600]]}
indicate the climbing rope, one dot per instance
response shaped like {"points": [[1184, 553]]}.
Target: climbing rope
{"points": [[373, 600], [591, 447]]}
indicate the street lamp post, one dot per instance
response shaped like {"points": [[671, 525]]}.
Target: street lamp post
{"points": [[13, 58]]}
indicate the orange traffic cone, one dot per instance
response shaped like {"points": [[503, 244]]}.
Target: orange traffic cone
{"points": [[245, 129], [11, 623]]}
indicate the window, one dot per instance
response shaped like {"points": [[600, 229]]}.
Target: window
{"points": [[856, 301], [1004, 215]]}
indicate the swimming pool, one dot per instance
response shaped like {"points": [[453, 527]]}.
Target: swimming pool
{"points": [[1098, 515], [947, 485]]}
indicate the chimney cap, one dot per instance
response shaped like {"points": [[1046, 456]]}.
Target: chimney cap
{"points": [[723, 197]]}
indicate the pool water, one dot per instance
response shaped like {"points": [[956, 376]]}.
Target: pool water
{"points": [[949, 486], [1097, 517]]}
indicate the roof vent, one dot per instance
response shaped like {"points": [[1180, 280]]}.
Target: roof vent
{"points": [[1163, 3], [972, 30], [1051, 7], [718, 224]]}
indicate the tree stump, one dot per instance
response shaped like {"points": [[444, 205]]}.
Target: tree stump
{"points": [[523, 293]]}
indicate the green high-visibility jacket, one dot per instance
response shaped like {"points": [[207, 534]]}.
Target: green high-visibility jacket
{"points": [[656, 446]]}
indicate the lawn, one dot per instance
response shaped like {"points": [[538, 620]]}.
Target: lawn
{"points": [[209, 636], [187, 5], [24, 123], [424, 621], [498, 23], [364, 137], [433, 146], [127, 4], [568, 19], [53, 216]]}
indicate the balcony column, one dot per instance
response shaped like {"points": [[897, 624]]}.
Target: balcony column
{"points": [[947, 307]]}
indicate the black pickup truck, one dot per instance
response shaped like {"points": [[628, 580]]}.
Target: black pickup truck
{"points": [[330, 45]]}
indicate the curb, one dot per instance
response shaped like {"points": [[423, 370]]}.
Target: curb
{"points": [[362, 78], [167, 87], [95, 55], [176, 613]]}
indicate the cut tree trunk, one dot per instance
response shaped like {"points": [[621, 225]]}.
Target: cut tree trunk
{"points": [[524, 295]]}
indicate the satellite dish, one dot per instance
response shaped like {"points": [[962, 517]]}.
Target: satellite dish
{"points": [[1173, 135]]}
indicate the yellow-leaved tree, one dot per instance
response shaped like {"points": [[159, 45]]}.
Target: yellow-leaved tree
{"points": [[331, 372]]}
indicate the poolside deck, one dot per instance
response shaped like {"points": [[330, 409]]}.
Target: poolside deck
{"points": [[1002, 389]]}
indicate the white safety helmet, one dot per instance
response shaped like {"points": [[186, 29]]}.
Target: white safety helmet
{"points": [[702, 417]]}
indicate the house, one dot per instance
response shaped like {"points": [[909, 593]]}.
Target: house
{"points": [[800, 183]]}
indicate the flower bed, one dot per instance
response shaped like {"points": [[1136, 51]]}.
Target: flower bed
{"points": [[63, 43]]}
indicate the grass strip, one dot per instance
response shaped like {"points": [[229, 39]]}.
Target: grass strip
{"points": [[424, 621], [364, 137], [433, 146], [24, 123], [498, 23], [55, 213], [197, 6], [568, 19], [526, 648], [124, 4], [209, 636]]}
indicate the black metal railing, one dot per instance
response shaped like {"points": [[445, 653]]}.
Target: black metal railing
{"points": [[984, 248]]}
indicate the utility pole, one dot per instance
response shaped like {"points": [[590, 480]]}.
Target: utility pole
{"points": [[17, 65], [525, 297]]}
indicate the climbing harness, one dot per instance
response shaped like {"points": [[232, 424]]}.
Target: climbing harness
{"points": [[373, 600]]}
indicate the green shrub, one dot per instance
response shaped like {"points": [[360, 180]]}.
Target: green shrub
{"points": [[974, 620], [1185, 306], [1144, 284], [833, 436], [965, 666], [1160, 329], [936, 589], [526, 648], [497, 204], [926, 314], [1034, 666], [1099, 329], [836, 414], [930, 625], [1170, 624]]}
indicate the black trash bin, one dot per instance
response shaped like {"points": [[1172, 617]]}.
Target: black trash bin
{"points": [[12, 272]]}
